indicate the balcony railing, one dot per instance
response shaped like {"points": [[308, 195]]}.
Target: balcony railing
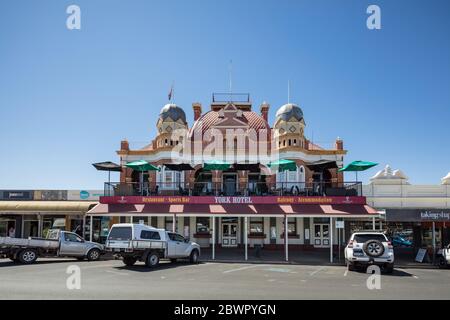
{"points": [[323, 188]]}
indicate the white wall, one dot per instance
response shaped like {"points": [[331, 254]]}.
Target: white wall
{"points": [[382, 196]]}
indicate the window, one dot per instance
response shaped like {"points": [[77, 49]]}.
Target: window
{"points": [[169, 180], [202, 224], [361, 238], [256, 225], [72, 237], [120, 233], [150, 235], [176, 237], [292, 226], [168, 223]]}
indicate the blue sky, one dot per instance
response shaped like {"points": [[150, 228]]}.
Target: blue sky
{"points": [[67, 98]]}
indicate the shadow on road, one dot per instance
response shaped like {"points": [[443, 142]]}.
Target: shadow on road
{"points": [[9, 263], [141, 267]]}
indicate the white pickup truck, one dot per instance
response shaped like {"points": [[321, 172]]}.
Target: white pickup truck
{"points": [[135, 242], [58, 243]]}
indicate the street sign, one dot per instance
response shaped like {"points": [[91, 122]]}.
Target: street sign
{"points": [[339, 224]]}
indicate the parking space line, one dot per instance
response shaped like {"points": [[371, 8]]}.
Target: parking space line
{"points": [[316, 271], [242, 268]]}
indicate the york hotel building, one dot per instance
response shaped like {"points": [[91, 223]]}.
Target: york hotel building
{"points": [[236, 178]]}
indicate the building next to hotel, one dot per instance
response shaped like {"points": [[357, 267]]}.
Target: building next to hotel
{"points": [[237, 178]]}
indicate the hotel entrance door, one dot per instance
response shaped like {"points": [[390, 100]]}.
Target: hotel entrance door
{"points": [[229, 232]]}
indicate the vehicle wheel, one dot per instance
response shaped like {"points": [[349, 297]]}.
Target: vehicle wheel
{"points": [[93, 255], [173, 260], [27, 256], [390, 268], [80, 258], [193, 258], [442, 263], [129, 261], [350, 266], [373, 248], [152, 260]]}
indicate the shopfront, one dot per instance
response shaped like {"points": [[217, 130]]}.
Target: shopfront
{"points": [[418, 228]]}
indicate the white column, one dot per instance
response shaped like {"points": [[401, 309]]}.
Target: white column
{"points": [[286, 244], [213, 227], [39, 225], [84, 227], [331, 240], [373, 224], [91, 228], [246, 237]]}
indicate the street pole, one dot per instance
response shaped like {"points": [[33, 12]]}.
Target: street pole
{"points": [[331, 240], [286, 245], [213, 237], [246, 237], [434, 241]]}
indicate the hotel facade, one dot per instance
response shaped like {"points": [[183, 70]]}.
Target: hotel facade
{"points": [[222, 182]]}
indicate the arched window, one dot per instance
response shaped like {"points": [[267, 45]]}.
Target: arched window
{"points": [[289, 142], [295, 142]]}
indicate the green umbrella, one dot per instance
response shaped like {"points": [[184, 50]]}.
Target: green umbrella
{"points": [[358, 166], [283, 165], [218, 165], [141, 165]]}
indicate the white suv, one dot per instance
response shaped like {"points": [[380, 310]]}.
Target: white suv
{"points": [[369, 248]]}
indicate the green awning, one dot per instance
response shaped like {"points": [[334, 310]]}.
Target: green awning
{"points": [[141, 165], [283, 165], [216, 165], [358, 166]]}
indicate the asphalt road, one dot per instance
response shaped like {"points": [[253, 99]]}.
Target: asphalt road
{"points": [[110, 279]]}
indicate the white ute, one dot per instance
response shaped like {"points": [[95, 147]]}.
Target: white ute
{"points": [[369, 248], [135, 242]]}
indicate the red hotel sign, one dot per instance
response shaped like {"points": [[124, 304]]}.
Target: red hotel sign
{"points": [[231, 200]]}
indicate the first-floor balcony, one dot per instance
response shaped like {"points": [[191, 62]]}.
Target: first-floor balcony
{"points": [[234, 188]]}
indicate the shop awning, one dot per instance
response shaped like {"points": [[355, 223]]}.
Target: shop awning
{"points": [[78, 207], [235, 209]]}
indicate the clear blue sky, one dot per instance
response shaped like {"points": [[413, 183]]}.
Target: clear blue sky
{"points": [[67, 98]]}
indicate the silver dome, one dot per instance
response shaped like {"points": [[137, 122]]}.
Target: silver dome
{"points": [[288, 111], [173, 111]]}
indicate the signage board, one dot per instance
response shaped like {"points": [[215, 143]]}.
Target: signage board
{"points": [[231, 200], [339, 224], [16, 195], [90, 195], [421, 255], [418, 215]]}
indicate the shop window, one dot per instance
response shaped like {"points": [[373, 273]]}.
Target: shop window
{"points": [[257, 225], [168, 223], [202, 225], [292, 226]]}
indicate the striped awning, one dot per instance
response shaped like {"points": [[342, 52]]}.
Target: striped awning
{"points": [[236, 210]]}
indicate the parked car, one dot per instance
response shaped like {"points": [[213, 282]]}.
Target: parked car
{"points": [[369, 248], [399, 241], [444, 257], [138, 242], [58, 243]]}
